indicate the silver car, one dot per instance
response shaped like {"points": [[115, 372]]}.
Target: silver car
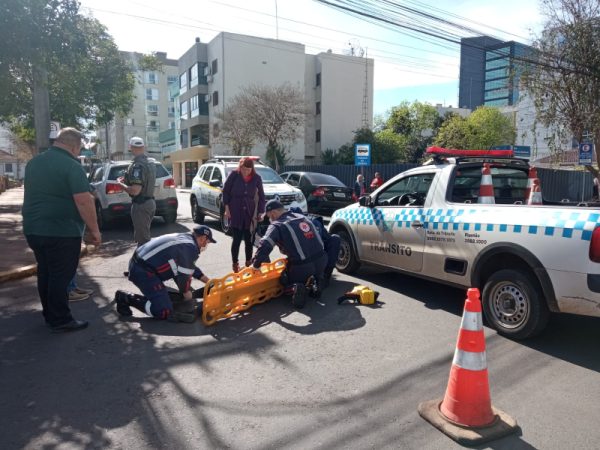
{"points": [[113, 202]]}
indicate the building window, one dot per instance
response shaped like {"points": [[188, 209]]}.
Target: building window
{"points": [[130, 122], [151, 77], [194, 75], [318, 108], [171, 111], [151, 94], [194, 106], [215, 98], [171, 125], [152, 110], [171, 79], [184, 110], [202, 73], [8, 167], [216, 130], [317, 135], [152, 125], [183, 83], [318, 80], [214, 67]]}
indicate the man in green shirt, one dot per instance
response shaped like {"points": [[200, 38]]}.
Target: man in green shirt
{"points": [[56, 207]]}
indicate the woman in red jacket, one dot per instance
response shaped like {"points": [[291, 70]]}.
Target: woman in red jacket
{"points": [[244, 200]]}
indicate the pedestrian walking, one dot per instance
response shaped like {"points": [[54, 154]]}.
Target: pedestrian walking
{"points": [[170, 256], [56, 207], [299, 240], [139, 184], [244, 200], [377, 181], [360, 187]]}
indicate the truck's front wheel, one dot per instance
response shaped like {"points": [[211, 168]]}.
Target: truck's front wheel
{"points": [[513, 305], [347, 261]]}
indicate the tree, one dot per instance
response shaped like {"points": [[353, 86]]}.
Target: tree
{"points": [[483, 129], [58, 61], [270, 114], [564, 79], [417, 122], [234, 130]]}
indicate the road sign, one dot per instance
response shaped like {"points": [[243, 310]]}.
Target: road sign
{"points": [[522, 151], [362, 154], [54, 128], [586, 152]]}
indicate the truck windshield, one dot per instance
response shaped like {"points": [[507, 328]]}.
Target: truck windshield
{"points": [[509, 184]]}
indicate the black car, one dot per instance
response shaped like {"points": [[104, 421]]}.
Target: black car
{"points": [[324, 193]]}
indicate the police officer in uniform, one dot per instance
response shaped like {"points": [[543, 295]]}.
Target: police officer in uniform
{"points": [[297, 237], [331, 243], [170, 256], [139, 184]]}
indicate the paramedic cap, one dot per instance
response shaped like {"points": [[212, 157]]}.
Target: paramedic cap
{"points": [[273, 204], [203, 230], [136, 142]]}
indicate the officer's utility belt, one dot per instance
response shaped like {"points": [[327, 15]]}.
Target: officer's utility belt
{"points": [[313, 258], [361, 294], [141, 199], [143, 264]]}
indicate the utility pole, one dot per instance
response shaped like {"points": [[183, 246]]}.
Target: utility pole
{"points": [[41, 108], [365, 104]]}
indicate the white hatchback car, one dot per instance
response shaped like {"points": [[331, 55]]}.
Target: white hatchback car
{"points": [[207, 188], [113, 202]]}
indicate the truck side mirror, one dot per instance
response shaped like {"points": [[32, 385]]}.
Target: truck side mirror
{"points": [[366, 200], [215, 183]]}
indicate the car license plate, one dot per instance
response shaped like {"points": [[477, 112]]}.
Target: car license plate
{"points": [[339, 194]]}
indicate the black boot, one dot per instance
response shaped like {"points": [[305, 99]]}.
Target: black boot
{"points": [[299, 296], [122, 304], [137, 301]]}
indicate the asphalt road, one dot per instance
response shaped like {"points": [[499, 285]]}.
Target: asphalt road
{"points": [[328, 376]]}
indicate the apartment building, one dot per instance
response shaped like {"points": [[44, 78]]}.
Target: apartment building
{"points": [[338, 95], [153, 111]]}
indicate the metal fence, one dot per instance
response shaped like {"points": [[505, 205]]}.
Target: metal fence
{"points": [[557, 185]]}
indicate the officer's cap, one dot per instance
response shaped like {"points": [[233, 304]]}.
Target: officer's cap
{"points": [[273, 204], [203, 230], [136, 142]]}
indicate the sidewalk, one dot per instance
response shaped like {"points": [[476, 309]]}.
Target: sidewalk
{"points": [[16, 258]]}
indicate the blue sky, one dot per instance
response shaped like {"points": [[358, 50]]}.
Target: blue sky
{"points": [[408, 66]]}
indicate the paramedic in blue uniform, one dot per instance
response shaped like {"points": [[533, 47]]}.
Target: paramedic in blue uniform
{"points": [[299, 240], [331, 242], [139, 184], [170, 256]]}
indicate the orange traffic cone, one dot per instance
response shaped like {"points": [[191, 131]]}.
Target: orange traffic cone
{"points": [[535, 197], [466, 413], [486, 188], [530, 178]]}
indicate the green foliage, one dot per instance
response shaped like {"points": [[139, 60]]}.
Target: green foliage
{"points": [[87, 78], [277, 157], [483, 129], [564, 78], [329, 157]]}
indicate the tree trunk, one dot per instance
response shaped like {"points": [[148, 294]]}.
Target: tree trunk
{"points": [[41, 108]]}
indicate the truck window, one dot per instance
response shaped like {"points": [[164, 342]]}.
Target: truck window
{"points": [[509, 185], [415, 184]]}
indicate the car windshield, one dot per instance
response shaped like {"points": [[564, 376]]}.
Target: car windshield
{"points": [[323, 179], [268, 175]]}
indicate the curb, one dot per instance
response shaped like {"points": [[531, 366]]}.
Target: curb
{"points": [[27, 271]]}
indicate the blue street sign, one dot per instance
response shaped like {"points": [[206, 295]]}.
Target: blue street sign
{"points": [[522, 151], [586, 152], [362, 154]]}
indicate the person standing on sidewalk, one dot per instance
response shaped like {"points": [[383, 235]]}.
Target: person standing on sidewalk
{"points": [[139, 184], [244, 200], [56, 206]]}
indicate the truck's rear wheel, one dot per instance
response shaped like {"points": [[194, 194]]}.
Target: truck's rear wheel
{"points": [[513, 305], [224, 222], [347, 261]]}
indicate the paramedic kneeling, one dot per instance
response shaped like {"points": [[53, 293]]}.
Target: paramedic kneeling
{"points": [[299, 240], [171, 256]]}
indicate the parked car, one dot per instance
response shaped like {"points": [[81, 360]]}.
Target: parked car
{"points": [[324, 193], [207, 187], [113, 202]]}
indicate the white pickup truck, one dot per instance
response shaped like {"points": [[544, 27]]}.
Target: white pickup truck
{"points": [[527, 260]]}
